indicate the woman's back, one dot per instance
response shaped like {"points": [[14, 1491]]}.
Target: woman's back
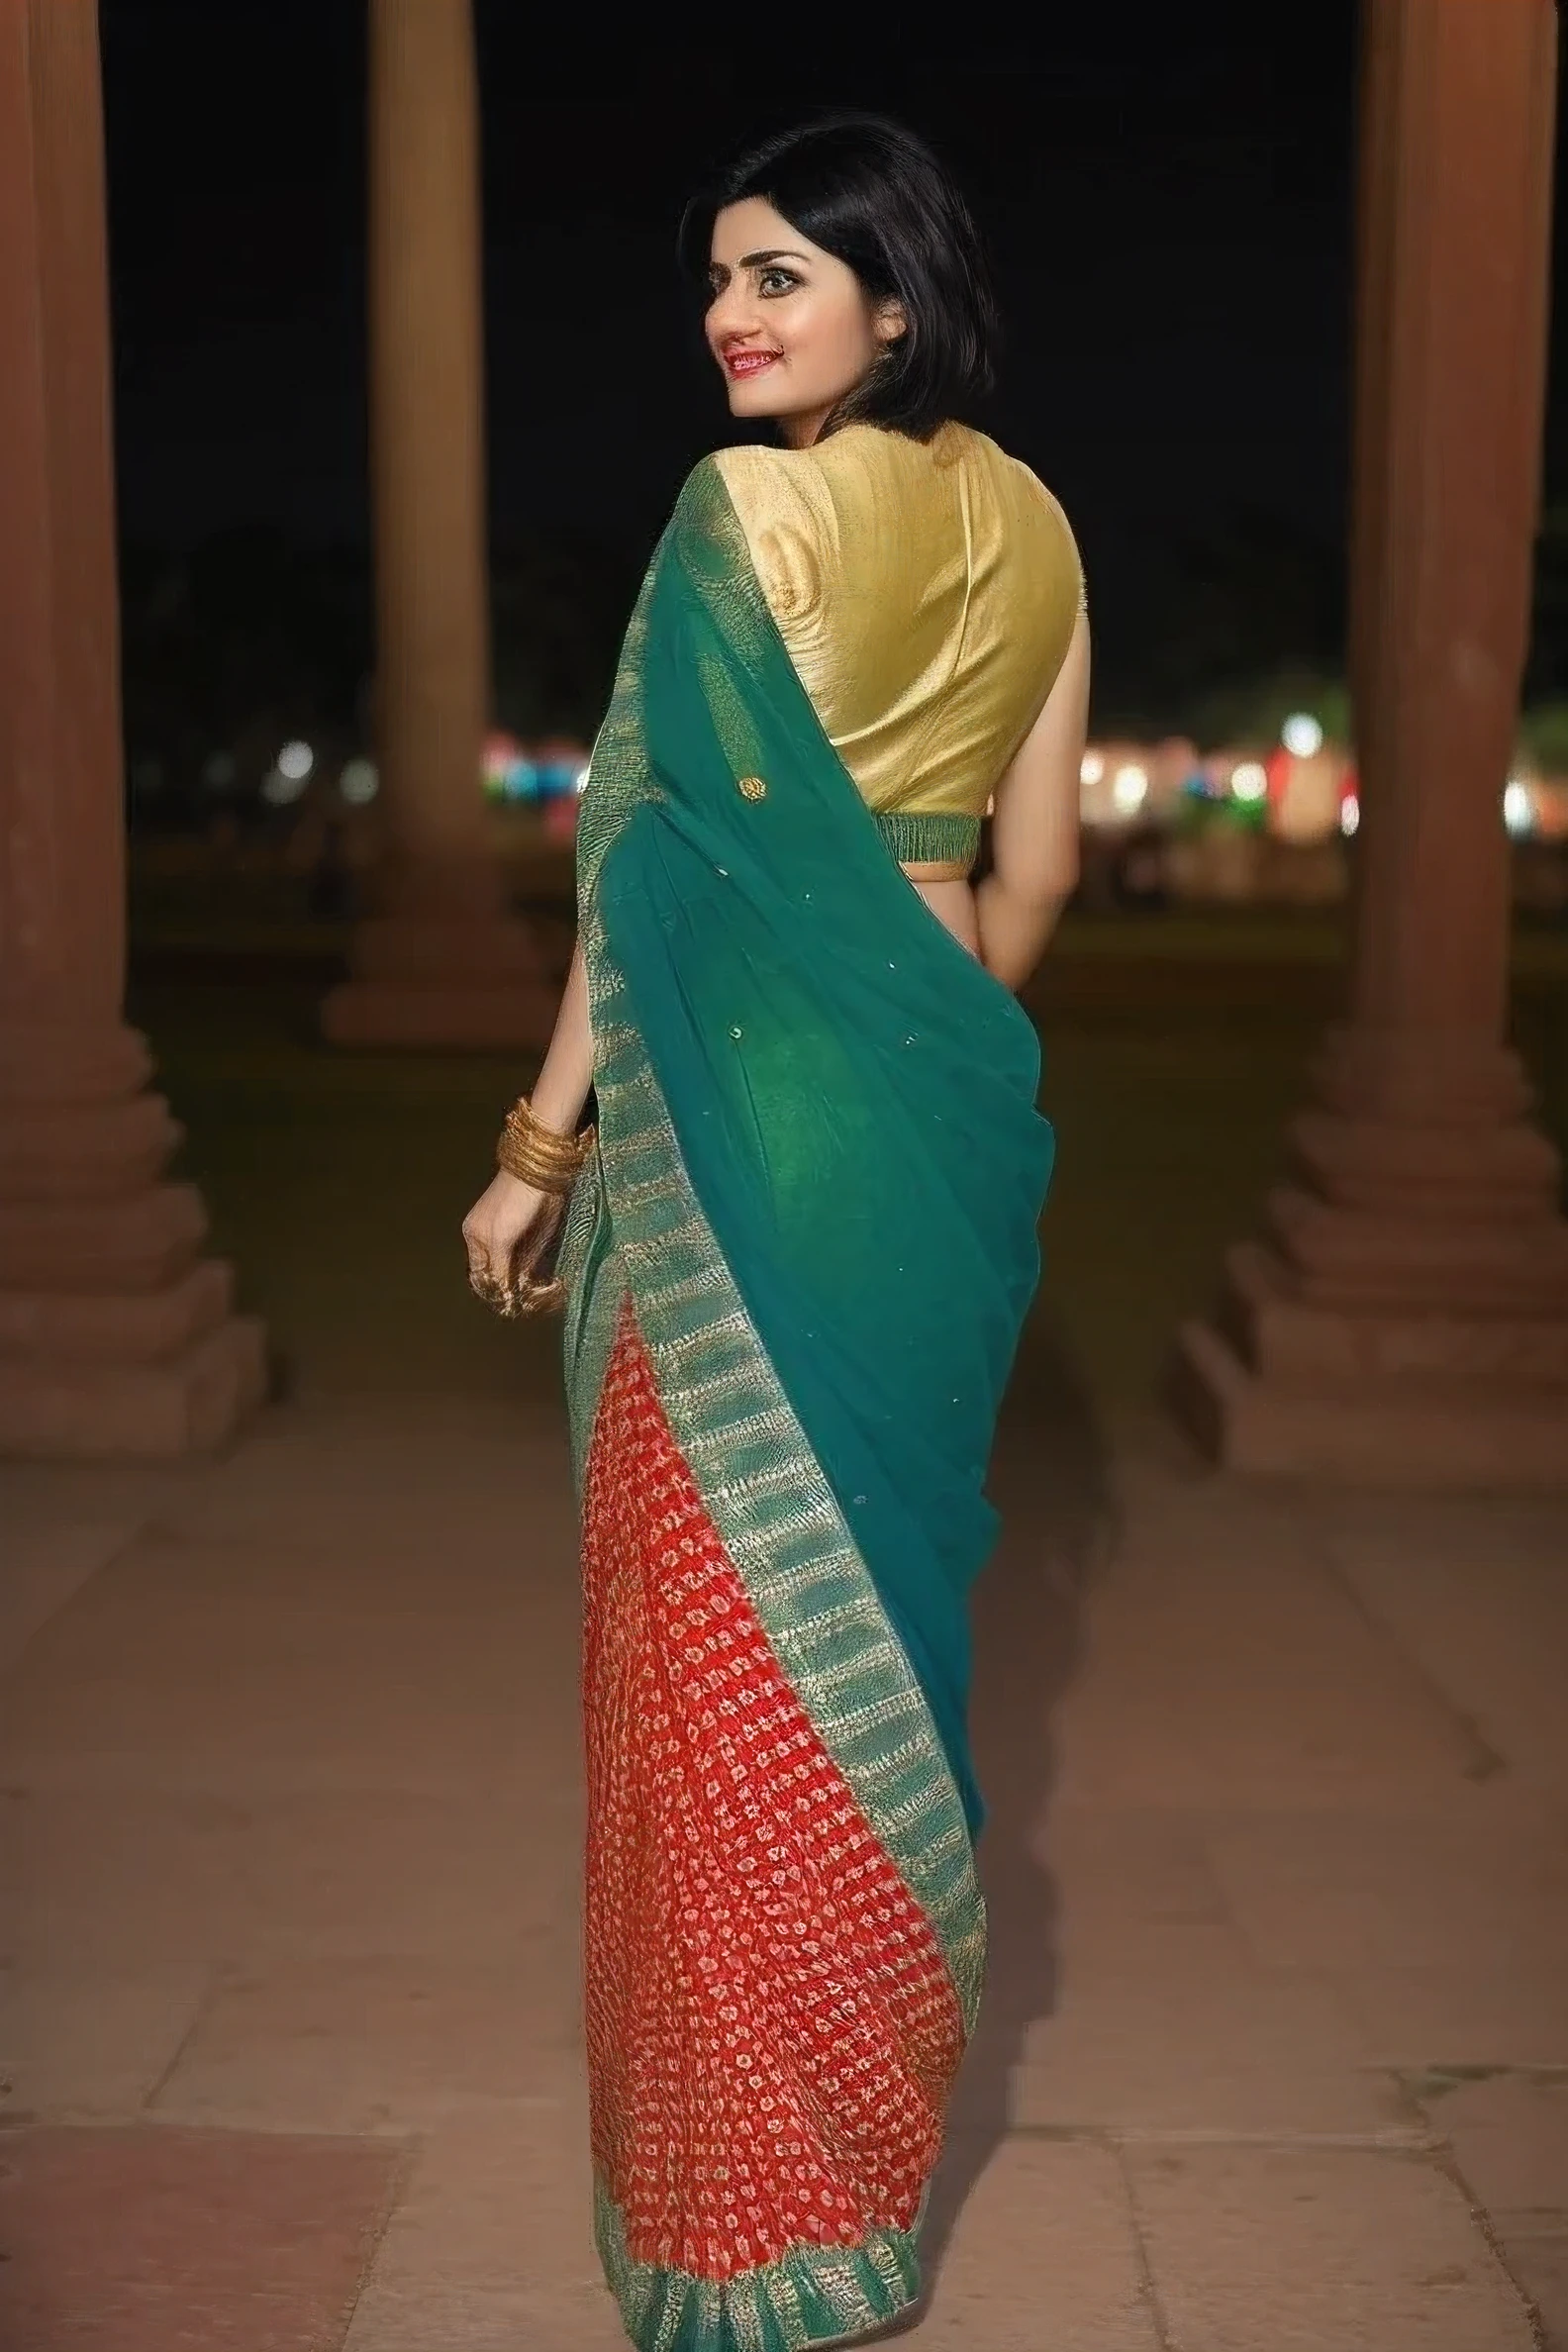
{"points": [[925, 593], [797, 1259]]}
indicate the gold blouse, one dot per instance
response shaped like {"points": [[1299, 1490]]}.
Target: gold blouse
{"points": [[925, 593]]}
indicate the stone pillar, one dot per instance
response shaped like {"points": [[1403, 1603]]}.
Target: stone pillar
{"points": [[1408, 1318], [115, 1336], [440, 962]]}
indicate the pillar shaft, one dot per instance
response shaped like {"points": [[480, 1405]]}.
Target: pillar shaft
{"points": [[115, 1336], [440, 962], [61, 851], [426, 436], [1456, 214], [1408, 1316]]}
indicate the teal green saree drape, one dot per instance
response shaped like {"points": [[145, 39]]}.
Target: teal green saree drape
{"points": [[797, 1270]]}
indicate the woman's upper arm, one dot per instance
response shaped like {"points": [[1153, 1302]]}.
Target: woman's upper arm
{"points": [[1035, 827]]}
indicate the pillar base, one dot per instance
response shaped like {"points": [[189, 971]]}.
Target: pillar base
{"points": [[419, 981], [1280, 1389], [182, 1404], [117, 1339], [1406, 1321]]}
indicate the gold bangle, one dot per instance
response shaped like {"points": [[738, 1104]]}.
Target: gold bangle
{"points": [[525, 1158], [543, 1177], [537, 1154], [524, 1120], [545, 1180], [538, 1144]]}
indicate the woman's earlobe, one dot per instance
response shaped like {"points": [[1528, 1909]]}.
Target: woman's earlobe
{"points": [[892, 324]]}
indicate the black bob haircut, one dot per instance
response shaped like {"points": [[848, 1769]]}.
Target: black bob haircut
{"points": [[870, 192]]}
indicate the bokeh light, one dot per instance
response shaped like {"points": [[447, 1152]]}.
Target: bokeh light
{"points": [[1302, 735], [359, 782], [1129, 787], [1518, 808]]}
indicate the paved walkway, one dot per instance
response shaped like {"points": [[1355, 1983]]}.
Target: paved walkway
{"points": [[1276, 2047]]}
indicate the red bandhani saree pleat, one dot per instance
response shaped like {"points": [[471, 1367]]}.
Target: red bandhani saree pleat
{"points": [[772, 2031]]}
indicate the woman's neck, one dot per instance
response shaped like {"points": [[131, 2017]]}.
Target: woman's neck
{"points": [[799, 432]]}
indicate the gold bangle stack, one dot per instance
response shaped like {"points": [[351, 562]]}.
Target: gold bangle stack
{"points": [[540, 1155]]}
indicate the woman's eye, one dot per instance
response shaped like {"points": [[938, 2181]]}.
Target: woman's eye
{"points": [[776, 281]]}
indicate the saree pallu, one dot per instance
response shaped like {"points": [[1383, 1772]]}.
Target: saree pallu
{"points": [[797, 1266]]}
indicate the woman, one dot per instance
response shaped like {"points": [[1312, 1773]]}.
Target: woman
{"points": [[801, 1246]]}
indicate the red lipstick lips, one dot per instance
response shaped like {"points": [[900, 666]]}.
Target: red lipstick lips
{"points": [[749, 363]]}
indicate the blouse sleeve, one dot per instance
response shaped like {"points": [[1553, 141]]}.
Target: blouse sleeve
{"points": [[788, 522], [1070, 555]]}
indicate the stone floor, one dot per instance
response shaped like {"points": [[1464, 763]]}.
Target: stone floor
{"points": [[1275, 2052]]}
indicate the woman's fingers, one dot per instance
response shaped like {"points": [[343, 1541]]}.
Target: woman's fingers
{"points": [[503, 1235], [482, 1254], [492, 1234]]}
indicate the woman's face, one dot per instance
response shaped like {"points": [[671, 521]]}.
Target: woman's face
{"points": [[791, 326]]}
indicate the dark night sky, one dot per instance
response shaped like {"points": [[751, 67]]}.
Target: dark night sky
{"points": [[1168, 201]]}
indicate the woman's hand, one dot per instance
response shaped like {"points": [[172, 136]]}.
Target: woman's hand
{"points": [[507, 1226], [511, 1222]]}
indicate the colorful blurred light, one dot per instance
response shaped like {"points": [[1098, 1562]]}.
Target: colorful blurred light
{"points": [[1349, 814], [505, 770], [541, 771], [295, 761], [1250, 782], [1303, 735]]}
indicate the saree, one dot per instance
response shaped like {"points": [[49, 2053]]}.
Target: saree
{"points": [[797, 1265]]}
